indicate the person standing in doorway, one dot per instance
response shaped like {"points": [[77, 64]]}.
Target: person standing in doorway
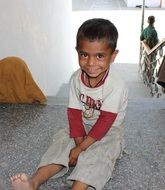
{"points": [[149, 34]]}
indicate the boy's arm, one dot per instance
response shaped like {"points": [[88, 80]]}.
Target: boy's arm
{"points": [[75, 152], [103, 124], [87, 142], [98, 131], [74, 111], [78, 140], [75, 123], [101, 127]]}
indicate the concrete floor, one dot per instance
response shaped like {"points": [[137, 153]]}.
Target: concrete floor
{"points": [[26, 131], [78, 5]]}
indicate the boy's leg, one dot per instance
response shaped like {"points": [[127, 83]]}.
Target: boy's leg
{"points": [[77, 185], [23, 182]]}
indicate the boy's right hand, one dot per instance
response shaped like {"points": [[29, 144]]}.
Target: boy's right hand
{"points": [[74, 154]]}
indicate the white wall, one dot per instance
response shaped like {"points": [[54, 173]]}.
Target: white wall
{"points": [[163, 3], [39, 31]]}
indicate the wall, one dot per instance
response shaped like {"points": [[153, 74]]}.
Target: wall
{"points": [[163, 4], [39, 32]]}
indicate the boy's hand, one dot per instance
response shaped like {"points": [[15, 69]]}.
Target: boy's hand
{"points": [[74, 154]]}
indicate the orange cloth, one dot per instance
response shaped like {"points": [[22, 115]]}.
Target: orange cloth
{"points": [[17, 84]]}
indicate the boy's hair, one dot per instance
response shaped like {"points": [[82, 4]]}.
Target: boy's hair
{"points": [[98, 29], [151, 19]]}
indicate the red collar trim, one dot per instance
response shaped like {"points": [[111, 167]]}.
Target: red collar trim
{"points": [[83, 77]]}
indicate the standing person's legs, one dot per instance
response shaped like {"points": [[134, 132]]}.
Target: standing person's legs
{"points": [[23, 182]]}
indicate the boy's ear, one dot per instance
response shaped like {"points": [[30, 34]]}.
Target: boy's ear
{"points": [[114, 54], [76, 48]]}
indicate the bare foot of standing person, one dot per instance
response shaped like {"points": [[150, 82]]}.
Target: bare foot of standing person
{"points": [[21, 182]]}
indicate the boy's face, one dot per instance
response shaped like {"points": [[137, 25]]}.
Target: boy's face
{"points": [[95, 57]]}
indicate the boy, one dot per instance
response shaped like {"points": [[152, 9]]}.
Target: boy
{"points": [[96, 110]]}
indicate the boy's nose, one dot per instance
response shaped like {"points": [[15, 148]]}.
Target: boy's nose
{"points": [[91, 61]]}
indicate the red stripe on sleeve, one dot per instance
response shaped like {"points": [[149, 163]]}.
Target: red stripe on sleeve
{"points": [[102, 125], [75, 123]]}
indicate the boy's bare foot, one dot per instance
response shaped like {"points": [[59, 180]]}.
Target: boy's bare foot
{"points": [[21, 182]]}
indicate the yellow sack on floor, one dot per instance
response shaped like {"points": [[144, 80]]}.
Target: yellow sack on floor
{"points": [[17, 84]]}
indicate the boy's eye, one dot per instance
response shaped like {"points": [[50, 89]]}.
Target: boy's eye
{"points": [[100, 56], [83, 55]]}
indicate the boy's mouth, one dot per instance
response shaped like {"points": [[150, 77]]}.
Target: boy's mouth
{"points": [[92, 70]]}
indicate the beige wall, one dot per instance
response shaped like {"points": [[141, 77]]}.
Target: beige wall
{"points": [[39, 31]]}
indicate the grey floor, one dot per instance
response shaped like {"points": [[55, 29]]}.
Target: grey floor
{"points": [[78, 5], [100, 5], [26, 131]]}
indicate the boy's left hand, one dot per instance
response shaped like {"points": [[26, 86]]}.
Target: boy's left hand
{"points": [[74, 154]]}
